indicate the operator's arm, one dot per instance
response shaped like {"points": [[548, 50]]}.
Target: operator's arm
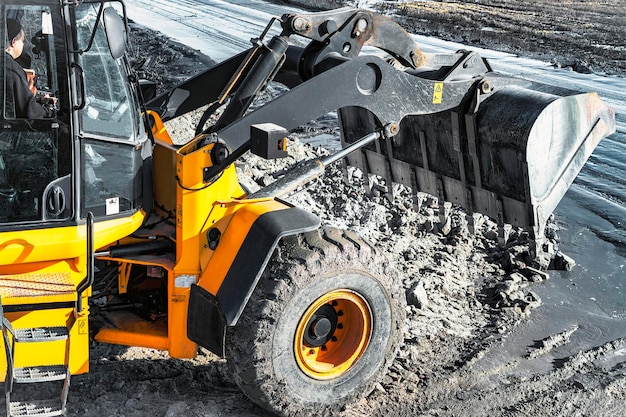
{"points": [[26, 105]]}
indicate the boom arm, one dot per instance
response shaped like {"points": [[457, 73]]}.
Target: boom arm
{"points": [[345, 32], [466, 134], [338, 33]]}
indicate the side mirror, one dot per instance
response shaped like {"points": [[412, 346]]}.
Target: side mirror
{"points": [[115, 31]]}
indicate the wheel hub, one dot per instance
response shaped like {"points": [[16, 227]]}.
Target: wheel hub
{"points": [[321, 326], [332, 334]]}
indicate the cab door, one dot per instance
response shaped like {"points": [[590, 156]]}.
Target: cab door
{"points": [[115, 153], [35, 152]]}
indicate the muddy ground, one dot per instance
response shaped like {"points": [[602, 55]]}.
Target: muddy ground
{"points": [[582, 35], [465, 291]]}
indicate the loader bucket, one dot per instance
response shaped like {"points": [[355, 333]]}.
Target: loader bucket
{"points": [[512, 159]]}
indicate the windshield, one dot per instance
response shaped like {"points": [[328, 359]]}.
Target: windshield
{"points": [[109, 109]]}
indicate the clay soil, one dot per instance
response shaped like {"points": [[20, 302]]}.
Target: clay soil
{"points": [[465, 291]]}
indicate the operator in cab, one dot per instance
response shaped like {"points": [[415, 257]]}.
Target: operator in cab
{"points": [[21, 101]]}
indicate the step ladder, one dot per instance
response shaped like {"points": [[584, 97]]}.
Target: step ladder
{"points": [[52, 291], [51, 375]]}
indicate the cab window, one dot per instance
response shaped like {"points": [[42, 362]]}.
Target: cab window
{"points": [[107, 109], [35, 139], [113, 142]]}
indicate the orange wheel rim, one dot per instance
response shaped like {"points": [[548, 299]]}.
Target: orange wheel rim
{"points": [[332, 334]]}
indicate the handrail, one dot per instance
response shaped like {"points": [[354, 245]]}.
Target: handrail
{"points": [[9, 349], [89, 278]]}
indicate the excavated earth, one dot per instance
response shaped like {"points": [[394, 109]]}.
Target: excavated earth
{"points": [[465, 290]]}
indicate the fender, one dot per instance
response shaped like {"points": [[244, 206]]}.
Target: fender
{"points": [[210, 312]]}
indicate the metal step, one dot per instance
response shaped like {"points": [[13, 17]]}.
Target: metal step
{"points": [[41, 334], [39, 374], [42, 408], [37, 288]]}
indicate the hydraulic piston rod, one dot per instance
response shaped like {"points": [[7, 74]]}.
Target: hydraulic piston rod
{"points": [[311, 169]]}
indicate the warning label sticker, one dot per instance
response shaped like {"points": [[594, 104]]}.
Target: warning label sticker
{"points": [[82, 326], [112, 205], [437, 93]]}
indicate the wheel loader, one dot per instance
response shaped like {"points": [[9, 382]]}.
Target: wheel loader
{"points": [[102, 211]]}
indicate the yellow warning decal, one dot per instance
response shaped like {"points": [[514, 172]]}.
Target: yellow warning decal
{"points": [[82, 326], [437, 93]]}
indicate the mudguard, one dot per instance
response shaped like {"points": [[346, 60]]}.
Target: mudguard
{"points": [[211, 311]]}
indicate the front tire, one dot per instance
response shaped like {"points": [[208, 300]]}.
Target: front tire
{"points": [[321, 328]]}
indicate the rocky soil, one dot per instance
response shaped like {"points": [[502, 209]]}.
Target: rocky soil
{"points": [[465, 289]]}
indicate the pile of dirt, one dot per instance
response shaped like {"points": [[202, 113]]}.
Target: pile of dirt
{"points": [[463, 288]]}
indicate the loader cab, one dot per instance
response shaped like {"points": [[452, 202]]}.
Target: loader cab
{"points": [[86, 150]]}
